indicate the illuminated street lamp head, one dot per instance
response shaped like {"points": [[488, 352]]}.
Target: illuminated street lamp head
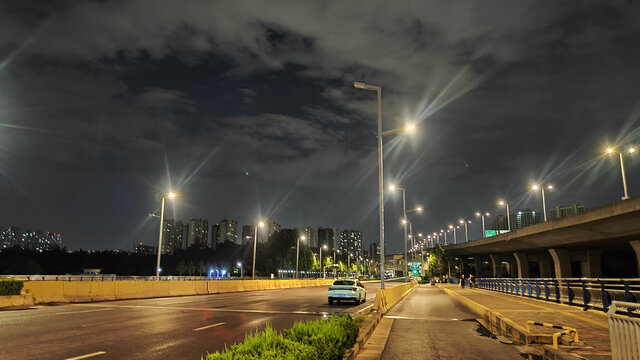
{"points": [[461, 221], [450, 226], [171, 195], [392, 187], [501, 202], [487, 214], [409, 128], [632, 150], [404, 221], [239, 264], [419, 234], [609, 150], [324, 247], [261, 224], [303, 237], [419, 208], [535, 187], [550, 187]]}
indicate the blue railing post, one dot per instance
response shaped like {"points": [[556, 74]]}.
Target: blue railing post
{"points": [[586, 295], [628, 296], [606, 301], [537, 289], [557, 285], [529, 286], [546, 290], [570, 293]]}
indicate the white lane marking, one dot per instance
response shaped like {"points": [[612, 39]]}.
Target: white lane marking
{"points": [[208, 326], [418, 318], [82, 311], [317, 313], [87, 355], [363, 309]]}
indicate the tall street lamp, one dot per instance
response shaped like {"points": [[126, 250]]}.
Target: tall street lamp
{"points": [[482, 215], [255, 244], [378, 89], [170, 196], [321, 264], [466, 232], [536, 187], [298, 252], [504, 203], [624, 176], [455, 239], [417, 209]]}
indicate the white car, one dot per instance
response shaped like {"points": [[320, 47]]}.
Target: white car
{"points": [[347, 290]]}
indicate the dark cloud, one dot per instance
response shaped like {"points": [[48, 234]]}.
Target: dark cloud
{"points": [[106, 103]]}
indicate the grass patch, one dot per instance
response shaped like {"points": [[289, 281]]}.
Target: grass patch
{"points": [[326, 339]]}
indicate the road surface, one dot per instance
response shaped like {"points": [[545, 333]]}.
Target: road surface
{"points": [[184, 327]]}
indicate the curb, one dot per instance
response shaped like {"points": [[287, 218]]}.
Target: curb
{"points": [[507, 327]]}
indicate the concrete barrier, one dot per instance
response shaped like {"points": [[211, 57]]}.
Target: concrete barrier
{"points": [[387, 298], [16, 300], [86, 291]]}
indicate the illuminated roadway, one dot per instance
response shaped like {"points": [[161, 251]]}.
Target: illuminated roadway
{"points": [[184, 327]]}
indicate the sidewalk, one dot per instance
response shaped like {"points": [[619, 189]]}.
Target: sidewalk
{"points": [[591, 325]]}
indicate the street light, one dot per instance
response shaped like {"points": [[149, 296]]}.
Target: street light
{"points": [[536, 187], [624, 176], [455, 239], [321, 264], [298, 252], [417, 209], [466, 233], [241, 270], [378, 89], [170, 196], [482, 215], [255, 244], [504, 203]]}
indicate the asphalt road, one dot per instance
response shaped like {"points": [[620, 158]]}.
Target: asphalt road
{"points": [[429, 324], [184, 327]]}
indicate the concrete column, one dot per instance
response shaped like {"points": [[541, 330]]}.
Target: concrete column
{"points": [[635, 244], [546, 269], [594, 268], [522, 263], [561, 262], [495, 264]]}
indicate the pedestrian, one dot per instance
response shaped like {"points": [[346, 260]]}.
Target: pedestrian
{"points": [[472, 281], [462, 281]]}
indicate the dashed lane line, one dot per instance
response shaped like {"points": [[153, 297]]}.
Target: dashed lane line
{"points": [[315, 313], [82, 311], [209, 326], [87, 355]]}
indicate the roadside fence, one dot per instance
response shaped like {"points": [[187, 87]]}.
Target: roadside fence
{"points": [[624, 331]]}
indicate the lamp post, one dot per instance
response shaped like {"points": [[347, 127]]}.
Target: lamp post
{"points": [[321, 264], [455, 239], [504, 203], [255, 245], [241, 270], [536, 187], [348, 264], [445, 236], [624, 176], [417, 209], [298, 252], [482, 216], [466, 232], [378, 89], [169, 196]]}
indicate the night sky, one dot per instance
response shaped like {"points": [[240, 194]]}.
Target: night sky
{"points": [[248, 110]]}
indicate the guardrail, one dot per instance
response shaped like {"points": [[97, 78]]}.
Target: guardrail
{"points": [[624, 331], [112, 277], [584, 292]]}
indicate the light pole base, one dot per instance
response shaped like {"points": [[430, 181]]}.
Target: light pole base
{"points": [[626, 197]]}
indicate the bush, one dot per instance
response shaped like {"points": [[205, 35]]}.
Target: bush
{"points": [[10, 287], [326, 339]]}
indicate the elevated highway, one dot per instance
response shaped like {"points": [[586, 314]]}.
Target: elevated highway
{"points": [[605, 238]]}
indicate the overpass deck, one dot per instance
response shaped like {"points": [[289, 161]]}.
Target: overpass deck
{"points": [[591, 324]]}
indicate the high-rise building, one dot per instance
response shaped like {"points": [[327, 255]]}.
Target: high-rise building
{"points": [[374, 249], [310, 236], [248, 234], [524, 218], [269, 228], [228, 231], [351, 242], [144, 249], [29, 240], [329, 236], [198, 233], [560, 212], [172, 233]]}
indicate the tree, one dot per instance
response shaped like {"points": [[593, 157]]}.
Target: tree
{"points": [[437, 265], [181, 267]]}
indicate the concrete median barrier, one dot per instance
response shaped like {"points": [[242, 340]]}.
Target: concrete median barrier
{"points": [[16, 300], [102, 290], [387, 298]]}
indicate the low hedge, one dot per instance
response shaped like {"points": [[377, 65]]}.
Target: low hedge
{"points": [[10, 287], [326, 339]]}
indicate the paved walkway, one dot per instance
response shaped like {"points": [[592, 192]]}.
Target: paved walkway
{"points": [[429, 324], [591, 325]]}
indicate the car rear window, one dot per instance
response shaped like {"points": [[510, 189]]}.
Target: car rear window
{"points": [[343, 282]]}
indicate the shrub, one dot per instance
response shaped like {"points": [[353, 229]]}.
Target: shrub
{"points": [[326, 339], [10, 287]]}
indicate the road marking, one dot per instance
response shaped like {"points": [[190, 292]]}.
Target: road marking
{"points": [[397, 317], [87, 355], [82, 311], [208, 326], [315, 313], [363, 309]]}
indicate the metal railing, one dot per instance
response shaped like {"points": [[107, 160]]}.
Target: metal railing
{"points": [[111, 277], [624, 331], [584, 292]]}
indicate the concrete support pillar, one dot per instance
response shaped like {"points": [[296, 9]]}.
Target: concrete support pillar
{"points": [[594, 263], [522, 263], [513, 266], [635, 244], [495, 264], [561, 262], [546, 269]]}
